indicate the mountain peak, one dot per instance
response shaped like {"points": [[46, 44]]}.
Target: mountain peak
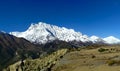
{"points": [[43, 32], [111, 40], [39, 25], [96, 39]]}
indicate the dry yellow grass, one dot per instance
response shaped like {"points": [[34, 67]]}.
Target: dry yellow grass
{"points": [[83, 60], [89, 60], [38, 64]]}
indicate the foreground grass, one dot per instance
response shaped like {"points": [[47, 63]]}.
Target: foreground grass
{"points": [[43, 64], [104, 58]]}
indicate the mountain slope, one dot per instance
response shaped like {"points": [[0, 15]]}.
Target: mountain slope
{"points": [[13, 49], [90, 60]]}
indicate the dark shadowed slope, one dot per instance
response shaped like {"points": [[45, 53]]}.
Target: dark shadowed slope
{"points": [[13, 49]]}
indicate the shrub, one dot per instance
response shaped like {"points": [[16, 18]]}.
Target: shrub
{"points": [[93, 56], [113, 62], [102, 50]]}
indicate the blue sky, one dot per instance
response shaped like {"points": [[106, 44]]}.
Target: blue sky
{"points": [[91, 17]]}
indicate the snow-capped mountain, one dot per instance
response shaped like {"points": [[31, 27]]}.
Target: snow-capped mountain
{"points": [[96, 39], [111, 40], [107, 40], [42, 33]]}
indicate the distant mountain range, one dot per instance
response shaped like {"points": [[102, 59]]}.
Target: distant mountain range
{"points": [[42, 33]]}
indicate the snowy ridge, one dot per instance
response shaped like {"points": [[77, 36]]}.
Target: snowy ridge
{"points": [[96, 39], [42, 33], [111, 40]]}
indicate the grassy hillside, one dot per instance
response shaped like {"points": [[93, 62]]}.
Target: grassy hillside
{"points": [[104, 58], [38, 64], [86, 58], [13, 49]]}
